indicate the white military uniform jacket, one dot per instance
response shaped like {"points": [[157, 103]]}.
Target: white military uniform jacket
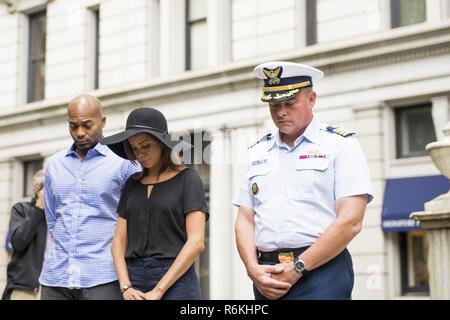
{"points": [[293, 191]]}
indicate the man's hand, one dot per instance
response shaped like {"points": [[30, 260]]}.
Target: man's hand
{"points": [[288, 274], [263, 277]]}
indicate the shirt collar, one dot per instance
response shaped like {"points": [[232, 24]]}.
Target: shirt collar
{"points": [[99, 149], [311, 133], [274, 139]]}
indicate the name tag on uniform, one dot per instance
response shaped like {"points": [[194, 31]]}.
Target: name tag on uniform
{"points": [[254, 163]]}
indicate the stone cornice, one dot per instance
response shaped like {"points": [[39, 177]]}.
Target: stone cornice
{"points": [[11, 4], [16, 5], [389, 47]]}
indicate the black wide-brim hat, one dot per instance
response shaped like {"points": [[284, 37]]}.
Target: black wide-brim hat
{"points": [[144, 120]]}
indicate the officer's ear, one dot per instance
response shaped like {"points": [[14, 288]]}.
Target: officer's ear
{"points": [[312, 96]]}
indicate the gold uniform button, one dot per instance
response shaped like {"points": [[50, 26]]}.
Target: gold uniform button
{"points": [[254, 188]]}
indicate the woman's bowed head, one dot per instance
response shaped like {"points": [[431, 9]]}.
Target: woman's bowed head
{"points": [[146, 128]]}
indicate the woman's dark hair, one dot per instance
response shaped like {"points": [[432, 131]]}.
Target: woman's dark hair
{"points": [[165, 160]]}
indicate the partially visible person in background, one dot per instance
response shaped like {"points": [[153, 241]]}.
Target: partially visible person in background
{"points": [[28, 234], [8, 244]]}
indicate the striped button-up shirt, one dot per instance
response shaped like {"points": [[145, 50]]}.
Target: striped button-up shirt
{"points": [[81, 198]]}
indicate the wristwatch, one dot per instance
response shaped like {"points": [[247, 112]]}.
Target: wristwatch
{"points": [[125, 287], [299, 266]]}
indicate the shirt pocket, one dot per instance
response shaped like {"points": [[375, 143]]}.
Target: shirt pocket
{"points": [[259, 184], [308, 173]]}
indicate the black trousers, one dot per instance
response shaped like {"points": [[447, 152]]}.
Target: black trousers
{"points": [[107, 291], [331, 281]]}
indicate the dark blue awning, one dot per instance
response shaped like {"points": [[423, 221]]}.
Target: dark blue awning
{"points": [[406, 195]]}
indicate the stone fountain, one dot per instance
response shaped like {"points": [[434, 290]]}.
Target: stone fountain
{"points": [[436, 221]]}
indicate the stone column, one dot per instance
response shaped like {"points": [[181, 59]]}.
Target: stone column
{"points": [[219, 32], [172, 34], [220, 220], [436, 221]]}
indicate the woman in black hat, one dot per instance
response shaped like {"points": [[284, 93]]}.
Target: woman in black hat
{"points": [[162, 214]]}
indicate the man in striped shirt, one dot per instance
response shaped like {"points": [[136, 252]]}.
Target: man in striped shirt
{"points": [[82, 190]]}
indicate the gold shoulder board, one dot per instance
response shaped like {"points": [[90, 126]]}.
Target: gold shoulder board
{"points": [[340, 131]]}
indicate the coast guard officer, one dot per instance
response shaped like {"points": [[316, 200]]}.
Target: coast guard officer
{"points": [[303, 197]]}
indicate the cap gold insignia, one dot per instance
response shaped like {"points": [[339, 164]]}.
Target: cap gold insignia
{"points": [[254, 188], [273, 74]]}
